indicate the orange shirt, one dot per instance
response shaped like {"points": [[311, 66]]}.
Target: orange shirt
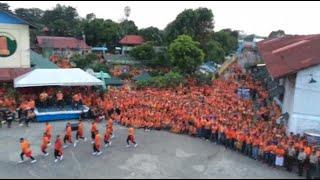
{"points": [[25, 146], [45, 141], [94, 127], [131, 132], [48, 129], [58, 145], [97, 140], [256, 142], [80, 128], [69, 131], [208, 125], [280, 152], [308, 150], [107, 135]]}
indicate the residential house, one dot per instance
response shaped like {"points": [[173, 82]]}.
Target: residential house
{"points": [[293, 63], [130, 41], [62, 46]]}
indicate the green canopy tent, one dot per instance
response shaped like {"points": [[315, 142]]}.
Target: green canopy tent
{"points": [[39, 62], [142, 77], [102, 76]]}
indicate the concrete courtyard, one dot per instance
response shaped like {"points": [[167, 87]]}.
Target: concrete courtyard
{"points": [[159, 155]]}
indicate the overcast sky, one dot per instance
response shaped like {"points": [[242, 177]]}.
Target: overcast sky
{"points": [[252, 17]]}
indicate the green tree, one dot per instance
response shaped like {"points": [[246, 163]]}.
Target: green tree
{"points": [[275, 34], [185, 54], [61, 21], [228, 41], [152, 34], [161, 58], [128, 28], [101, 32], [32, 15], [144, 52], [197, 23], [5, 6], [214, 52], [84, 62]]}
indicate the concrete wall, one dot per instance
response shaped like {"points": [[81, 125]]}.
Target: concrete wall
{"points": [[306, 106], [288, 99], [21, 57]]}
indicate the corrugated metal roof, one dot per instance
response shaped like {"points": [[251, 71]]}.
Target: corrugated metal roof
{"points": [[132, 40], [61, 42], [40, 62], [290, 54]]}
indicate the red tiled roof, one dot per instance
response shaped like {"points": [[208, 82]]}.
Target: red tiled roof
{"points": [[132, 40], [8, 74], [290, 54], [61, 42]]}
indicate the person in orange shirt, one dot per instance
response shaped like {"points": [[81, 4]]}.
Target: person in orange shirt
{"points": [[31, 104], [96, 144], [107, 137], [68, 135], [307, 150], [94, 128], [58, 150], [110, 127], [44, 145], [48, 131], [131, 137], [59, 98], [80, 133], [26, 151]]}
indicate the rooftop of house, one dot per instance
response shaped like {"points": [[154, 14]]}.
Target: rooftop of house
{"points": [[289, 54], [61, 42], [131, 40]]}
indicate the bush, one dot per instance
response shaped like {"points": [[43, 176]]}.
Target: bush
{"points": [[125, 76], [97, 67], [171, 79], [144, 52], [84, 62], [204, 79]]}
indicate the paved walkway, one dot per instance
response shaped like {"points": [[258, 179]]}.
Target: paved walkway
{"points": [[159, 155]]}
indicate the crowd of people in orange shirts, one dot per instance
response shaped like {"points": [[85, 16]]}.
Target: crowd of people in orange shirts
{"points": [[218, 114], [60, 62], [215, 113]]}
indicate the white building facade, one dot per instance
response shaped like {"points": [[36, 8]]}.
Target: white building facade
{"points": [[302, 100], [14, 43]]}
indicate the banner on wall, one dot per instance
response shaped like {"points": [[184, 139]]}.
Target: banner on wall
{"points": [[8, 44]]}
